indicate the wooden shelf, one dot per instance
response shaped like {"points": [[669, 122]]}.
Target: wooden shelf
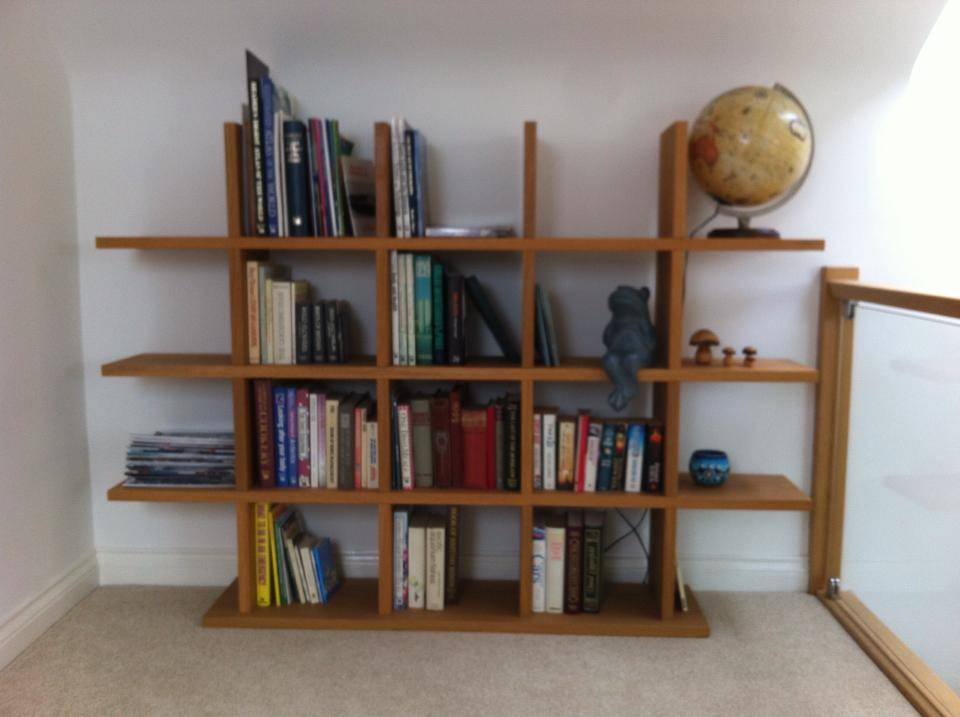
{"points": [[218, 366], [744, 491], [121, 492], [603, 499], [484, 606], [509, 244]]}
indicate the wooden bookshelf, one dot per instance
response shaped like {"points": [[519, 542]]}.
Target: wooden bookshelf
{"points": [[485, 606]]}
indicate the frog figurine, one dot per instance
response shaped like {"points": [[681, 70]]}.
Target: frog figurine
{"points": [[630, 340]]}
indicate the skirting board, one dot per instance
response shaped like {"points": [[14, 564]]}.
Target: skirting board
{"points": [[37, 614], [206, 567]]}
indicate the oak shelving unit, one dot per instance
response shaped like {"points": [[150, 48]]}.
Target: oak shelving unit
{"points": [[497, 606]]}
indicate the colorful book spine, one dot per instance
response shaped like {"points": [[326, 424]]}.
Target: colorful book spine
{"points": [[537, 450], [634, 468], [395, 308], [401, 519], [262, 532], [423, 303], [280, 434], [411, 311], [512, 444], [605, 466], [373, 448], [417, 559], [475, 448], [456, 338], [272, 548], [303, 437], [593, 457], [333, 441], [256, 127], [539, 586], [566, 447], [315, 410], [493, 465], [653, 461], [619, 457], [270, 159], [403, 287], [293, 424]]}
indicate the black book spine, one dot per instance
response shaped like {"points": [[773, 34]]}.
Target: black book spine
{"points": [[319, 333], [653, 460], [304, 331], [456, 343], [479, 298], [592, 561], [298, 204], [619, 457], [332, 349], [512, 454], [395, 446], [343, 320]]}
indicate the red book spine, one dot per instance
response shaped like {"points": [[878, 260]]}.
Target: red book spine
{"points": [[359, 417], [491, 461], [263, 405], [440, 434], [456, 439], [583, 429], [475, 430], [303, 438]]}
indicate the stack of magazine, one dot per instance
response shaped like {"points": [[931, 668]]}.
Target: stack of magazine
{"points": [[194, 459]]}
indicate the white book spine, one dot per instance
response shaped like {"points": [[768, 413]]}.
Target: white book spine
{"points": [[435, 566], [309, 573], [537, 451], [634, 472], [321, 440], [269, 351], [400, 518], [395, 155], [404, 183], [417, 558], [593, 458], [405, 438], [333, 409], [411, 322], [395, 308], [549, 451], [555, 547], [539, 588], [373, 441], [314, 441]]}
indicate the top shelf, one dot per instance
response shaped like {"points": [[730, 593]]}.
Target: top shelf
{"points": [[510, 244]]}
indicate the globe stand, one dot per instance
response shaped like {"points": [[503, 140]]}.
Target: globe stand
{"points": [[743, 230]]}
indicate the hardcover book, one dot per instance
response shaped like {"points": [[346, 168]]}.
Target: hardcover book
{"points": [[566, 446], [423, 303], [255, 71], [253, 312], [605, 465], [395, 311], [512, 440], [262, 533], [296, 171], [440, 432], [438, 295], [422, 443], [280, 434], [345, 474], [456, 313], [263, 407], [618, 470], [492, 319], [333, 441], [405, 441], [417, 561], [303, 437], [580, 465], [556, 552], [318, 335], [475, 448], [592, 560], [456, 437], [549, 448], [593, 457], [436, 585], [573, 565], [653, 460], [537, 450], [452, 555]]}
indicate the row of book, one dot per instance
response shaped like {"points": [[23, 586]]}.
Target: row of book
{"points": [[181, 459], [299, 178], [292, 566], [439, 442], [311, 438], [428, 313], [284, 326], [408, 157], [585, 454], [568, 561], [426, 558]]}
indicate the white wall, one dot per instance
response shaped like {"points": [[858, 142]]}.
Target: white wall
{"points": [[47, 560], [152, 82]]}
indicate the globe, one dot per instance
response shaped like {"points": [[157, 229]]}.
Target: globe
{"points": [[751, 149]]}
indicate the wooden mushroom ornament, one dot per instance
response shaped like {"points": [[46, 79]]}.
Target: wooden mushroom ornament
{"points": [[728, 353], [749, 356], [704, 340]]}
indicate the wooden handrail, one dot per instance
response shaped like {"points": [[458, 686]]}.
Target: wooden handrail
{"points": [[852, 290]]}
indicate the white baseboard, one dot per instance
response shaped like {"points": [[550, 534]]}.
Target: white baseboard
{"points": [[212, 567], [34, 616]]}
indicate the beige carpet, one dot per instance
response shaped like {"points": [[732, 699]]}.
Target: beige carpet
{"points": [[135, 651]]}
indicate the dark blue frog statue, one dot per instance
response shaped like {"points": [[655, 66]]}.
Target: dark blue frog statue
{"points": [[630, 341]]}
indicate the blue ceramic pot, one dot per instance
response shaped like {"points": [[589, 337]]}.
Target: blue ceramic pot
{"points": [[709, 467]]}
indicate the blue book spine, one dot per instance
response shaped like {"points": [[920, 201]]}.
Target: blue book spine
{"points": [[318, 568], [605, 468], [293, 468], [439, 316], [636, 434], [269, 156], [411, 158], [329, 577], [298, 201], [423, 308], [280, 425]]}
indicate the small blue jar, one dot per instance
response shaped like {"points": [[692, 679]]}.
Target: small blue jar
{"points": [[709, 467]]}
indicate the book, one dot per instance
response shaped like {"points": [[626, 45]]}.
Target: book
{"points": [[618, 468], [282, 322], [420, 181], [537, 449], [360, 411], [263, 410], [512, 443], [345, 474], [343, 332], [373, 443], [280, 435], [405, 443], [440, 429], [455, 314], [423, 307], [262, 543], [580, 454], [318, 334], [409, 161], [293, 426], [573, 563], [438, 295], [549, 448], [417, 558], [332, 335], [253, 312], [605, 464], [272, 552], [296, 172], [653, 460], [303, 436], [436, 585], [492, 319], [401, 519], [317, 411], [422, 442], [539, 585], [542, 345], [410, 312], [593, 457], [556, 545], [566, 447], [488, 231], [550, 328], [268, 118], [494, 454], [401, 203], [333, 441], [474, 448], [305, 547], [285, 585], [634, 464], [328, 577], [402, 316], [255, 71], [358, 181], [395, 309], [304, 332], [592, 560], [452, 554], [291, 529], [456, 437]]}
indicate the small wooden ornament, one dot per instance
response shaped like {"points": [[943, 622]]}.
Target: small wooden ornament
{"points": [[749, 356], [703, 340], [728, 353]]}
